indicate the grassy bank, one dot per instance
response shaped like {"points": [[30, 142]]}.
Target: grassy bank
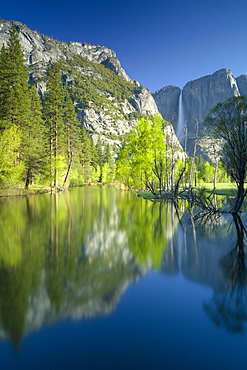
{"points": [[227, 189], [20, 190], [224, 189]]}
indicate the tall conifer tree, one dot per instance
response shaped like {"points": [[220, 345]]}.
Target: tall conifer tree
{"points": [[54, 115], [71, 133], [20, 107], [86, 155], [14, 96], [33, 150]]}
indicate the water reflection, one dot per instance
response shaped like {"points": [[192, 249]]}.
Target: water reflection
{"points": [[229, 308], [73, 255]]}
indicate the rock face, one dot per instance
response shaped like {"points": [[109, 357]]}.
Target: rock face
{"points": [[40, 49], [107, 100], [198, 98], [242, 84], [201, 95], [167, 100]]}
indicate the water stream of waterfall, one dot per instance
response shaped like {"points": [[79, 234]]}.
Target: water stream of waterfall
{"points": [[180, 125]]}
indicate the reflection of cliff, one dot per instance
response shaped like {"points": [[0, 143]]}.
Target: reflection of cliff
{"points": [[229, 309], [78, 253], [195, 252], [214, 255], [206, 245]]}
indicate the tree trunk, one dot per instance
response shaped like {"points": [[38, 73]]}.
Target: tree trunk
{"points": [[68, 171], [239, 199], [28, 178], [194, 156]]}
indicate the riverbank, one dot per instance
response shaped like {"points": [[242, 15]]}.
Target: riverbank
{"points": [[32, 190], [224, 189]]}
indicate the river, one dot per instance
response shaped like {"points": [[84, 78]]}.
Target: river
{"points": [[98, 278]]}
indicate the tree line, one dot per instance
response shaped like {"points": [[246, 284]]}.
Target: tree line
{"points": [[43, 143]]}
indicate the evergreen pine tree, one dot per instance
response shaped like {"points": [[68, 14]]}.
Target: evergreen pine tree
{"points": [[4, 88], [72, 133], [108, 155], [100, 155], [14, 96], [86, 155], [109, 165], [94, 155], [33, 143], [54, 115], [20, 107]]}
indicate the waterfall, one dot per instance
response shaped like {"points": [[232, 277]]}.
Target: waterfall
{"points": [[180, 125]]}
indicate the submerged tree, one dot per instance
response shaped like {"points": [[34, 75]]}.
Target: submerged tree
{"points": [[227, 123]]}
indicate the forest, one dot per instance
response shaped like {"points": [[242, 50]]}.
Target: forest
{"points": [[44, 147]]}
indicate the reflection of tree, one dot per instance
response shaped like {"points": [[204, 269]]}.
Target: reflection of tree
{"points": [[145, 228], [77, 253], [229, 309], [174, 229]]}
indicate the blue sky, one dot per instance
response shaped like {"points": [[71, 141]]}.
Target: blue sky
{"points": [[158, 43]]}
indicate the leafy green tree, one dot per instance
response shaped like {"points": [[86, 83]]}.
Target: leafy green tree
{"points": [[142, 158], [207, 172], [204, 170], [222, 174], [11, 168], [227, 123]]}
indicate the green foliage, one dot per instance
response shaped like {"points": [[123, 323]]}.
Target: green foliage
{"points": [[11, 168], [87, 157], [55, 169], [142, 149], [222, 174], [20, 108], [98, 83], [54, 115], [51, 137], [227, 124], [46, 247], [33, 141], [14, 97], [204, 170]]}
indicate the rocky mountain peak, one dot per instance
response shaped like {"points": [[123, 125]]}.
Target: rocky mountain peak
{"points": [[40, 49], [107, 100]]}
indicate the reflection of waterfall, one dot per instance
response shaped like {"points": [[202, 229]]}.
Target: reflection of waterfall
{"points": [[180, 124], [180, 246]]}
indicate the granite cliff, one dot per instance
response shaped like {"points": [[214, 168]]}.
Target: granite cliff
{"points": [[107, 100], [197, 99]]}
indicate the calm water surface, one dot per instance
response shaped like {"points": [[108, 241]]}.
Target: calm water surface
{"points": [[101, 279]]}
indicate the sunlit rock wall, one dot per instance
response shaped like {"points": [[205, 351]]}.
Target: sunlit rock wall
{"points": [[198, 98]]}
